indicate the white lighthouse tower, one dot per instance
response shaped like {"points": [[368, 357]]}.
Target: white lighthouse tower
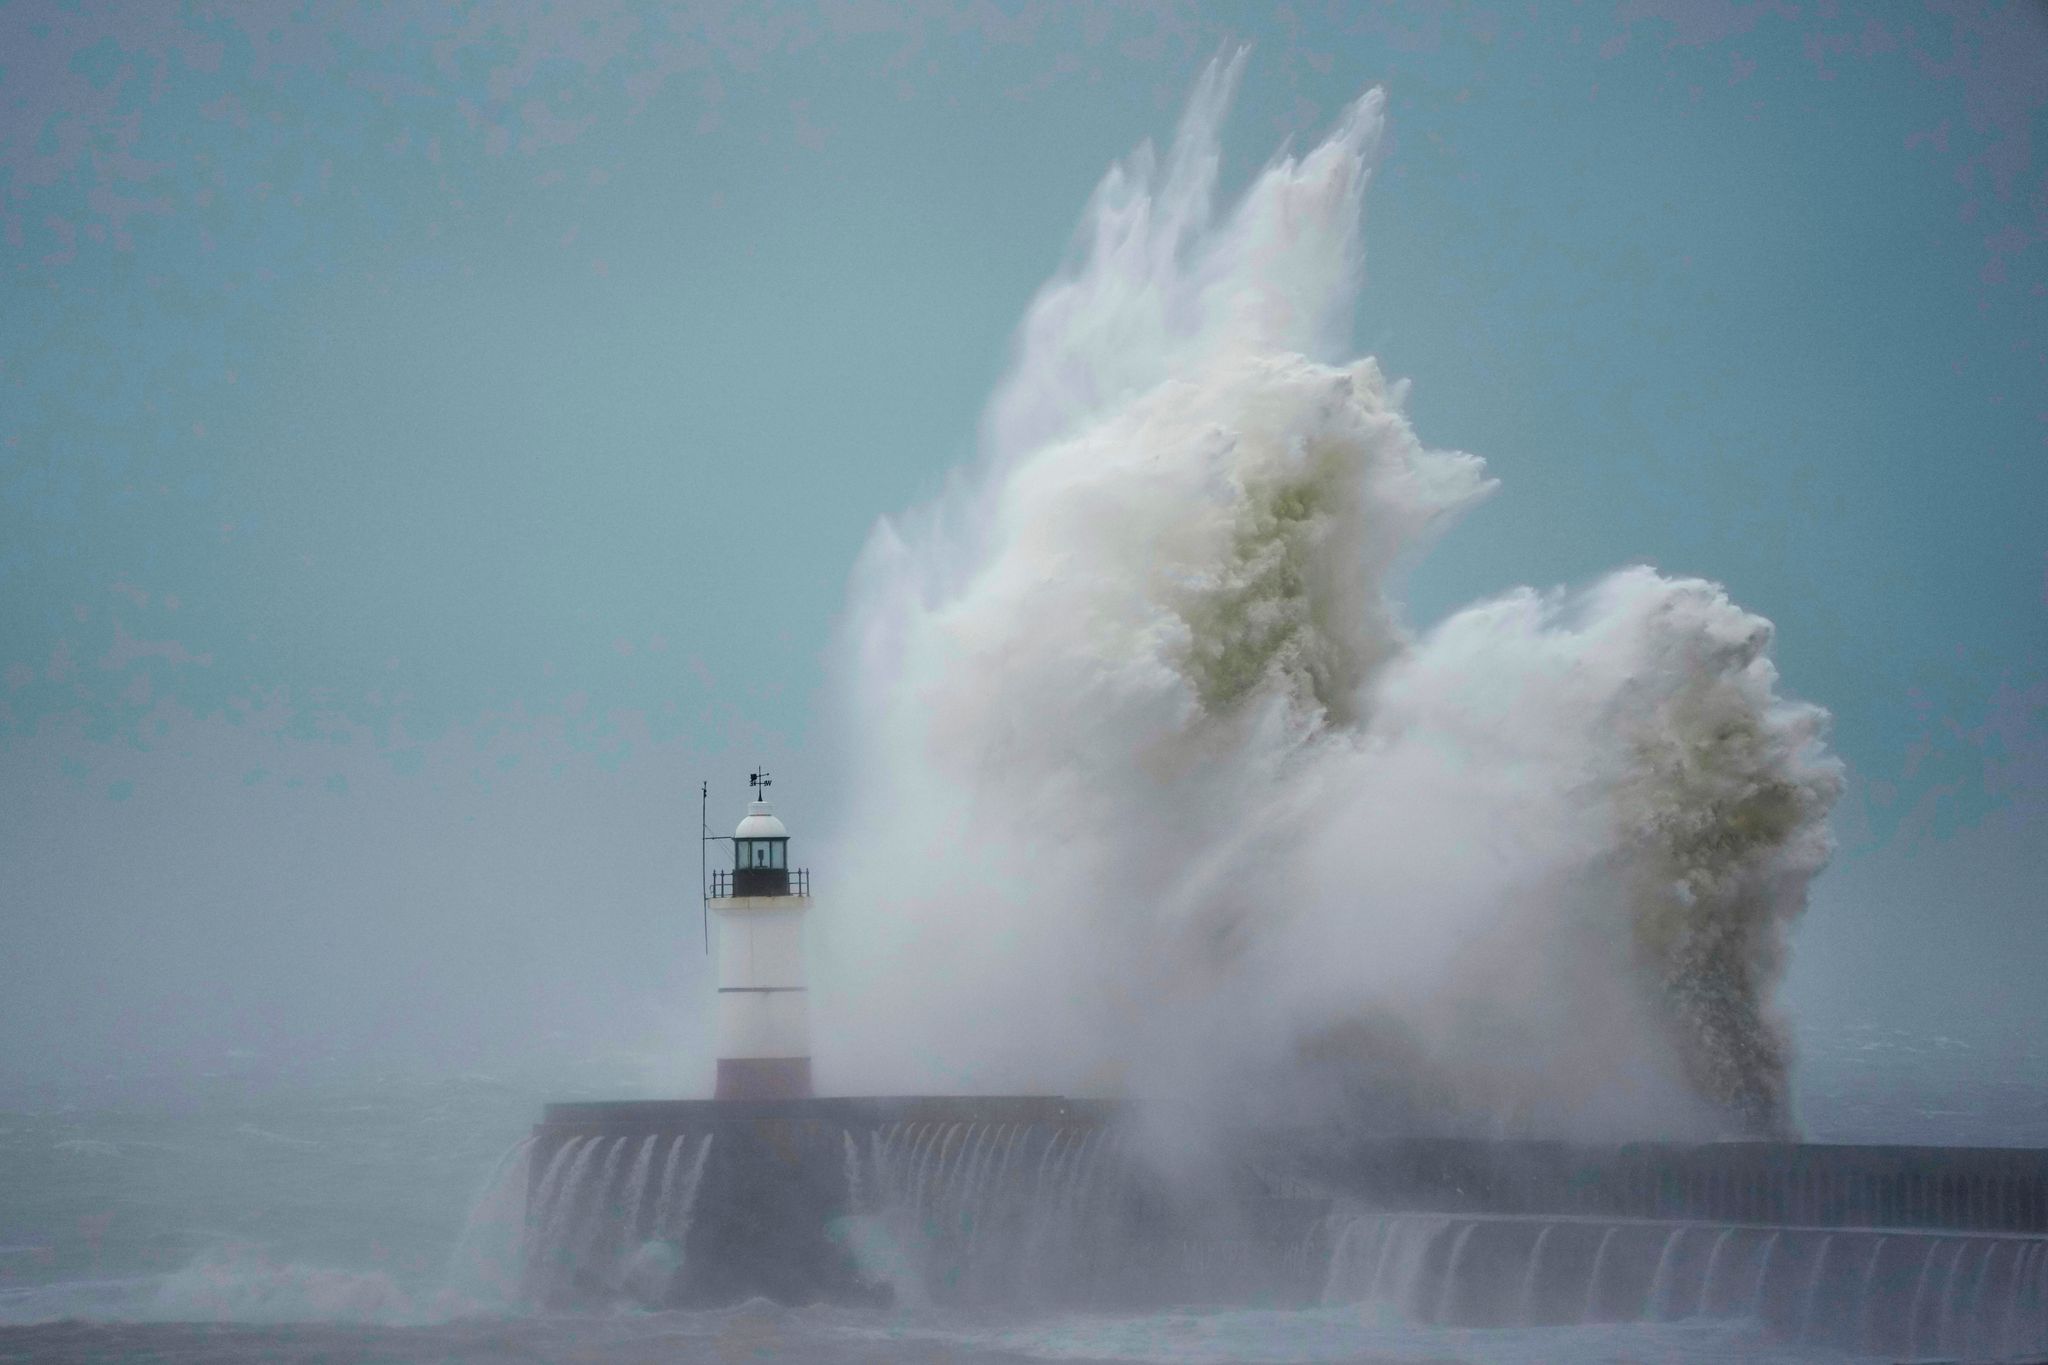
{"points": [[764, 1020]]}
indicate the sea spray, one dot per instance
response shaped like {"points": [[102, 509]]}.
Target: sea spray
{"points": [[489, 1257], [1160, 796]]}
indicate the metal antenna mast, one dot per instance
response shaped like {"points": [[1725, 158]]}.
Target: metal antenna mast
{"points": [[703, 849]]}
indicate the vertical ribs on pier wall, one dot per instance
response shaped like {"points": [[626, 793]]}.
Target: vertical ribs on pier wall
{"points": [[1045, 1200], [1985, 1189]]}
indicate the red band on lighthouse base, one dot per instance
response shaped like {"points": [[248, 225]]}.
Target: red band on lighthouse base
{"points": [[763, 1078]]}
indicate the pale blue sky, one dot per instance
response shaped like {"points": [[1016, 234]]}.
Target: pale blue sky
{"points": [[430, 440]]}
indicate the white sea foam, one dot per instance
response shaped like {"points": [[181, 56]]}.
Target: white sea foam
{"points": [[242, 1286], [1318, 1335], [87, 1147], [249, 1287], [485, 1269], [1159, 794]]}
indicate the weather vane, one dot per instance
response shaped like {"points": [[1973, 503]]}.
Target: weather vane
{"points": [[760, 782]]}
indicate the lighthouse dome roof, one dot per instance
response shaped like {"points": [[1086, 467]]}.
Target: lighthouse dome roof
{"points": [[760, 823]]}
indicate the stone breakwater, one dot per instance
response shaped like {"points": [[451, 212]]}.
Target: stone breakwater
{"points": [[1041, 1200]]}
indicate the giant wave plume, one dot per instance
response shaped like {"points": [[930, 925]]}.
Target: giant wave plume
{"points": [[1158, 795]]}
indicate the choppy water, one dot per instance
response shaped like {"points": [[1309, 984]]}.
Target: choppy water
{"points": [[324, 1223], [228, 1203], [764, 1333]]}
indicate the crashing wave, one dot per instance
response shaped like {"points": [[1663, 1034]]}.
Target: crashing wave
{"points": [[1159, 794]]}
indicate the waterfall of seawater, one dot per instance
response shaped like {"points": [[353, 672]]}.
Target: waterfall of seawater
{"points": [[486, 1265], [1810, 1302], [1591, 1311], [1525, 1302], [1917, 1311], [1765, 1259], [668, 1183], [2025, 1275], [591, 1229], [1444, 1301], [600, 1225], [553, 1203], [1386, 1259], [1951, 1289], [1709, 1302], [636, 1187], [676, 1216], [981, 1211], [1867, 1292], [1663, 1282], [1887, 1290]]}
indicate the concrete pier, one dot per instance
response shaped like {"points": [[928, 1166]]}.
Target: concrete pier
{"points": [[1978, 1189], [697, 1202], [775, 1179]]}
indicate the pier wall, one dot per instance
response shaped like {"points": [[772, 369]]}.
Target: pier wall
{"points": [[694, 1202], [749, 1194], [1976, 1189]]}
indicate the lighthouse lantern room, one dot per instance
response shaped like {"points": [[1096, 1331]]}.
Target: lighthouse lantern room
{"points": [[764, 1027]]}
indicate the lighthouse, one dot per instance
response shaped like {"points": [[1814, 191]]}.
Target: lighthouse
{"points": [[764, 1021]]}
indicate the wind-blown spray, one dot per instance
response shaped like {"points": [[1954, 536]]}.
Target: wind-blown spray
{"points": [[1159, 796]]}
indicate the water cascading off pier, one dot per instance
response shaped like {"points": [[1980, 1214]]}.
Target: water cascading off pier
{"points": [[1046, 1202], [1911, 1291]]}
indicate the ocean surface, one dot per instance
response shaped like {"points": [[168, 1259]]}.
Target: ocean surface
{"points": [[241, 1218]]}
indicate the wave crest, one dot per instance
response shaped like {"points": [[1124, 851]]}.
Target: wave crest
{"points": [[1160, 794]]}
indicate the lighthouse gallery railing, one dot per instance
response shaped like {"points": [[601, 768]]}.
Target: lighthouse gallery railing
{"points": [[722, 883]]}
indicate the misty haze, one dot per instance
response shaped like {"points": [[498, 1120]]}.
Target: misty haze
{"points": [[999, 684]]}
